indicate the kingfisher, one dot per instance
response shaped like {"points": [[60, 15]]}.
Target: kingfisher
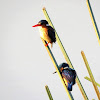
{"points": [[47, 33], [68, 74]]}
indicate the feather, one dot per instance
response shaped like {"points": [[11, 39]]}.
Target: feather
{"points": [[51, 34], [69, 87]]}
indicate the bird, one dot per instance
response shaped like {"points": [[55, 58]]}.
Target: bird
{"points": [[68, 74], [47, 33]]}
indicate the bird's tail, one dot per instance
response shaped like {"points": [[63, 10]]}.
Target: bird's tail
{"points": [[69, 87]]}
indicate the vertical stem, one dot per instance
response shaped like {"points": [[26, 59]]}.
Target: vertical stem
{"points": [[91, 75], [93, 20], [57, 69], [65, 54], [48, 92]]}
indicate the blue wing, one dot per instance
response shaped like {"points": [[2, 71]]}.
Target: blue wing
{"points": [[69, 75]]}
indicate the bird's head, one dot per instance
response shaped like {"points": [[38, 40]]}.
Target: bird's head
{"points": [[63, 66], [41, 23]]}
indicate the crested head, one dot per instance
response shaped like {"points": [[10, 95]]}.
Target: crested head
{"points": [[63, 65], [43, 22]]}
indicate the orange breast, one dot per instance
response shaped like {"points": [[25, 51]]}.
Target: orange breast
{"points": [[44, 34]]}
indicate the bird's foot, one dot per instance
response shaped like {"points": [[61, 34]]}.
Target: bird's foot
{"points": [[46, 44]]}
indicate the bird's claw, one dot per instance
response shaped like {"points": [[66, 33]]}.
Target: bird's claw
{"points": [[46, 44]]}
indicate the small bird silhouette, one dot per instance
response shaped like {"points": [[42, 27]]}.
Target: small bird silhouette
{"points": [[68, 74], [47, 33]]}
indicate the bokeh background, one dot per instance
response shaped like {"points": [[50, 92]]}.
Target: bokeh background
{"points": [[25, 67]]}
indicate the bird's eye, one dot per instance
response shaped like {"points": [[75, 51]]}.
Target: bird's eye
{"points": [[41, 23]]}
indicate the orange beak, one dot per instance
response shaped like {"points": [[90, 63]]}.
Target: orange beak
{"points": [[36, 25]]}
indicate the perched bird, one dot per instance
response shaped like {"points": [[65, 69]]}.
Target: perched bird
{"points": [[69, 75], [47, 33]]}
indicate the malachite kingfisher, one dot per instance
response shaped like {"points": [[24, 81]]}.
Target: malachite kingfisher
{"points": [[68, 74], [47, 33]]}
